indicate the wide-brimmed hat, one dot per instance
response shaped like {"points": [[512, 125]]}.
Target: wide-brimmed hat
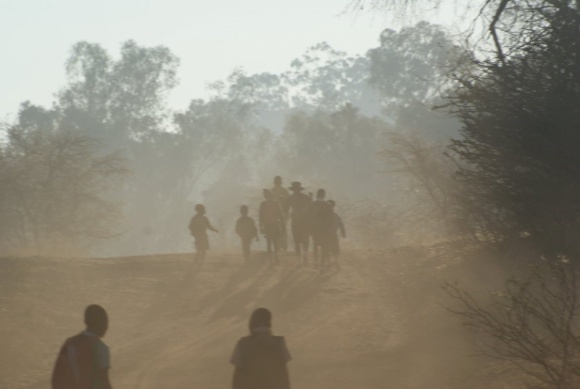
{"points": [[296, 186]]}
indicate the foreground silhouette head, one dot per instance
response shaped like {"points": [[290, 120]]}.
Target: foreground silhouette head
{"points": [[261, 317], [320, 193], [96, 319], [278, 181], [244, 210], [267, 194], [199, 208]]}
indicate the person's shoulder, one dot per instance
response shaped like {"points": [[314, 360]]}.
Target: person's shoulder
{"points": [[102, 346], [245, 339], [101, 343]]}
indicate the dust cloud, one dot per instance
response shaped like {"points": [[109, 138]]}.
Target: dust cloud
{"points": [[376, 322]]}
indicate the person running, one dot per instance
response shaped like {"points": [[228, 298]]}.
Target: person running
{"points": [[198, 227], [338, 226], [321, 224], [280, 194], [84, 361], [271, 220], [298, 205], [261, 358], [247, 231]]}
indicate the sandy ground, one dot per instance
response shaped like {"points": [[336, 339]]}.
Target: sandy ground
{"points": [[375, 322]]}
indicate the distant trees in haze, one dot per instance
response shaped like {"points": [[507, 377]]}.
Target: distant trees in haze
{"points": [[342, 143], [328, 113], [56, 185]]}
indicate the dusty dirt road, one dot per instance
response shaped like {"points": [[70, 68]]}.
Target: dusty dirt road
{"points": [[375, 322]]}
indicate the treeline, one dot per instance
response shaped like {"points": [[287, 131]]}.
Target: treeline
{"points": [[495, 162], [321, 122]]}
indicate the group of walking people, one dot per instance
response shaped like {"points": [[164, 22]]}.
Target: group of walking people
{"points": [[310, 219]]}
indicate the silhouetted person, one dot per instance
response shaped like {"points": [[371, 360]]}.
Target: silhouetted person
{"points": [[261, 358], [247, 231], [338, 226], [84, 361], [298, 205], [280, 194], [271, 220], [321, 225], [198, 227]]}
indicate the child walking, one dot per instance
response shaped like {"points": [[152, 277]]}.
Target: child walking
{"points": [[247, 231], [198, 227], [338, 226]]}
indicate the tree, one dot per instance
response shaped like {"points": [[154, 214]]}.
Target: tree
{"points": [[55, 184], [314, 147], [428, 182], [410, 69], [122, 99], [512, 24], [521, 144], [531, 324], [410, 65]]}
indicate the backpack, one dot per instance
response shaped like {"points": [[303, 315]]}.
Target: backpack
{"points": [[75, 364]]}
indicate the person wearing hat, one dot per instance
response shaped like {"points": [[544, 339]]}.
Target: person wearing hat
{"points": [[298, 205]]}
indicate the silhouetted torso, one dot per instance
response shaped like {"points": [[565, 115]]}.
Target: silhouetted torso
{"points": [[298, 203], [79, 359], [270, 218], [280, 194], [260, 361], [338, 226], [322, 221], [246, 227], [198, 226]]}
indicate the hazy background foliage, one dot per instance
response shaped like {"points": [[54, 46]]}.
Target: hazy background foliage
{"points": [[322, 122]]}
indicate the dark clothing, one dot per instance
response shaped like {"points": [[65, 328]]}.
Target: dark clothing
{"points": [[280, 194], [334, 246], [260, 361], [79, 362], [246, 227], [246, 247], [198, 227], [201, 242], [271, 219], [321, 222], [299, 205]]}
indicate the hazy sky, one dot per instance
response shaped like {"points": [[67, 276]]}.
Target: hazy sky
{"points": [[210, 37]]}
